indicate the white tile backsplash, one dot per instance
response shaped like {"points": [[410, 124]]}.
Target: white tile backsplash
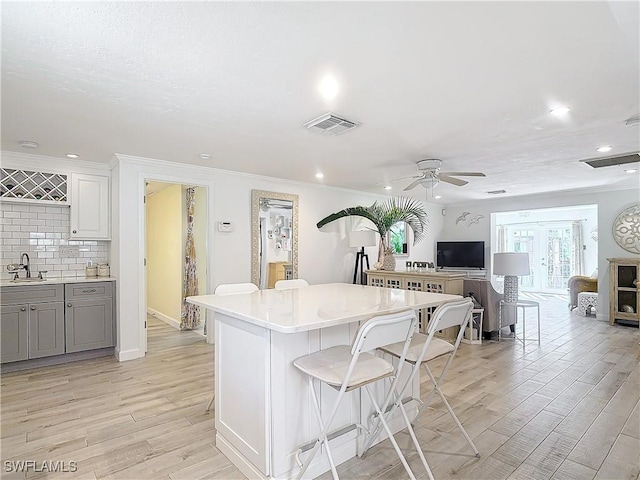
{"points": [[39, 231]]}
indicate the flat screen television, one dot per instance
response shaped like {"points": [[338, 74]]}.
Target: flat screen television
{"points": [[460, 254]]}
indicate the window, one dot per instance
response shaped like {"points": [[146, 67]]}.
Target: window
{"points": [[399, 239]]}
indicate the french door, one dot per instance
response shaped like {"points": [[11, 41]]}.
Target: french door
{"points": [[549, 248]]}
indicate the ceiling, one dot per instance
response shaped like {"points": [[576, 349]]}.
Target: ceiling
{"points": [[471, 83]]}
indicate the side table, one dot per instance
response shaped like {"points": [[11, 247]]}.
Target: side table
{"points": [[520, 304], [473, 332]]}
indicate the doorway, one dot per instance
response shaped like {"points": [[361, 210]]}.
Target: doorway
{"points": [[166, 221], [561, 242]]}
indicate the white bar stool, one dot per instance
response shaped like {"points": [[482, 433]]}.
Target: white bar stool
{"points": [[347, 368]]}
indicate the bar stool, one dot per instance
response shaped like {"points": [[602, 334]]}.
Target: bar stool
{"points": [[232, 289], [425, 348], [293, 283], [347, 368]]}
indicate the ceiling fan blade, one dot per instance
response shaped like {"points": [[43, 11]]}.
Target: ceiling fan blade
{"points": [[413, 185], [464, 174], [452, 180]]}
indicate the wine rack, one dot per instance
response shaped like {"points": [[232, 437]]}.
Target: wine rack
{"points": [[28, 185]]}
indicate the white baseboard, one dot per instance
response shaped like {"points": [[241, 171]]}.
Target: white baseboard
{"points": [[602, 317], [125, 355], [165, 318]]}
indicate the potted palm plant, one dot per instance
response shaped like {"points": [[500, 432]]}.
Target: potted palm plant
{"points": [[384, 216]]}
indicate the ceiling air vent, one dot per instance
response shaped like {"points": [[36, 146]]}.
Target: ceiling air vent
{"points": [[329, 124], [497, 192], [611, 161]]}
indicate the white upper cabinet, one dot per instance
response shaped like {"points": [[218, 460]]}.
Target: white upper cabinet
{"points": [[90, 207]]}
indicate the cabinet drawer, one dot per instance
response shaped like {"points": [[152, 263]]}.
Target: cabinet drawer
{"points": [[32, 294], [89, 289]]}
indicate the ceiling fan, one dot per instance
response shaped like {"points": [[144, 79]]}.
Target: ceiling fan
{"points": [[430, 175]]}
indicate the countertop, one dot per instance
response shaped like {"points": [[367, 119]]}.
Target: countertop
{"points": [[317, 306], [57, 280]]}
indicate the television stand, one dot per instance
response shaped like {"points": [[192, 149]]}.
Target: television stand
{"points": [[475, 273]]}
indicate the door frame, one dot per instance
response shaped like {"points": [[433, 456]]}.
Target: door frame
{"points": [[144, 177]]}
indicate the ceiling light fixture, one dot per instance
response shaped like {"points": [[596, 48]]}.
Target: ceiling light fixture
{"points": [[438, 197], [72, 155], [388, 187], [329, 87], [559, 111], [604, 149], [631, 170], [319, 175], [28, 144], [205, 156]]}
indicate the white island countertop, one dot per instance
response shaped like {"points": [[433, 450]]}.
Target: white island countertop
{"points": [[317, 306]]}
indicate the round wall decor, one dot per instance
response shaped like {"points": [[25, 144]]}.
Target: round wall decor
{"points": [[626, 229]]}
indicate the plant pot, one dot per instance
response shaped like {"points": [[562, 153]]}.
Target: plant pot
{"points": [[389, 262]]}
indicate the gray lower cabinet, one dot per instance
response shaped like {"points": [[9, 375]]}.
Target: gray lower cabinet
{"points": [[32, 322], [89, 317], [46, 329], [14, 328], [44, 320]]}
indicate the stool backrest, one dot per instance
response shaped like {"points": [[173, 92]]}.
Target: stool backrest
{"points": [[235, 288], [385, 329], [288, 284], [451, 314]]}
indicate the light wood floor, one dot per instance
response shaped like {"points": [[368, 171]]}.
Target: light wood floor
{"points": [[568, 409]]}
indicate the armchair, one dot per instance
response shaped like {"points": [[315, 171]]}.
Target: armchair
{"points": [[578, 284], [490, 301]]}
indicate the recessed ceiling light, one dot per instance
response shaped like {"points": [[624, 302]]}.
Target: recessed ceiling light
{"points": [[631, 170], [205, 156], [72, 155], [559, 111], [28, 144], [329, 87], [437, 197], [319, 175], [388, 187], [604, 149]]}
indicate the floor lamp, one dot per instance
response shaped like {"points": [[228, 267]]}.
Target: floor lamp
{"points": [[360, 239]]}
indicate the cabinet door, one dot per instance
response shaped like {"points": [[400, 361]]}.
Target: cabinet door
{"points": [[89, 324], [89, 207], [46, 329], [14, 330]]}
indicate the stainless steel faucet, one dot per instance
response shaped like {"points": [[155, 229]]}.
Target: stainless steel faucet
{"points": [[26, 266]]}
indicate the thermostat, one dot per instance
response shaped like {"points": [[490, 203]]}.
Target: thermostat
{"points": [[225, 227]]}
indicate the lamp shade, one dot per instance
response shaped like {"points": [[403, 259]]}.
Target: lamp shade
{"points": [[362, 238], [511, 263]]}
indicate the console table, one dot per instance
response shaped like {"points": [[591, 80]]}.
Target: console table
{"points": [[435, 282]]}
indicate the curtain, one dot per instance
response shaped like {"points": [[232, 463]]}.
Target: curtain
{"points": [[190, 316], [502, 239], [577, 252]]}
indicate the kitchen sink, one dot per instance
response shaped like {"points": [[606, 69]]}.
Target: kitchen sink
{"points": [[27, 280]]}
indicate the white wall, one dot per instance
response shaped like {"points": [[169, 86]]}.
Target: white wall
{"points": [[322, 256], [610, 204]]}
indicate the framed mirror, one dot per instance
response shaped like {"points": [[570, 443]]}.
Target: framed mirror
{"points": [[274, 237]]}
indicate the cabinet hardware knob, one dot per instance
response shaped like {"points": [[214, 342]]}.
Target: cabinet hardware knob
{"points": [[23, 309], [68, 304], [33, 308], [89, 291], [75, 231]]}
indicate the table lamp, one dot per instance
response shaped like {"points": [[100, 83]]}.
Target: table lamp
{"points": [[511, 265], [360, 239]]}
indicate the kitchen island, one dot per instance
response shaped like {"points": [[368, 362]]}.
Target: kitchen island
{"points": [[264, 416]]}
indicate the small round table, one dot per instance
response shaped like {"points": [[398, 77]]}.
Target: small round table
{"points": [[523, 304]]}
